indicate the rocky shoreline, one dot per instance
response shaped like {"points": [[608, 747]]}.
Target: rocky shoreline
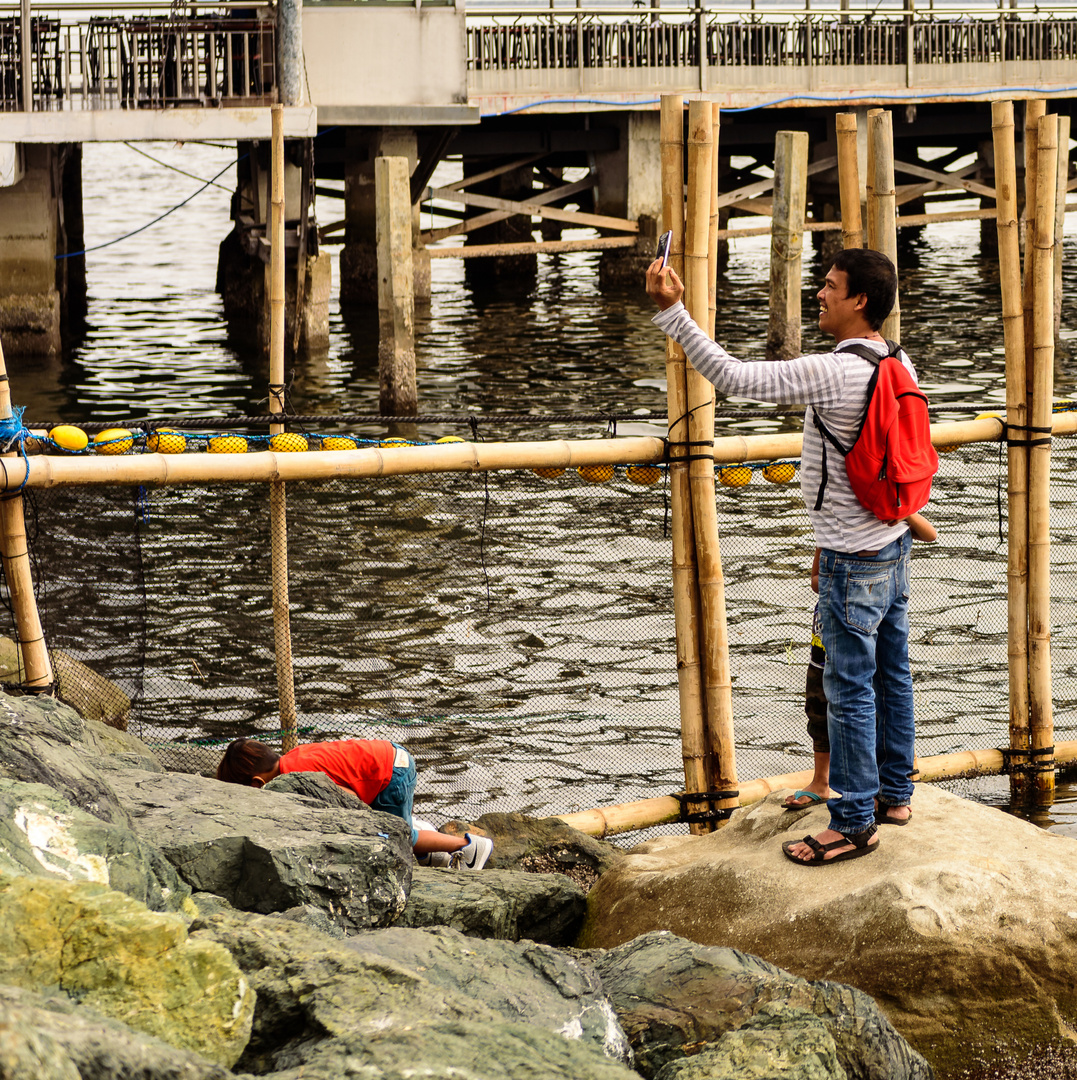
{"points": [[160, 926]]}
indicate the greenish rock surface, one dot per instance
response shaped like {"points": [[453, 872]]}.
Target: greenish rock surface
{"points": [[672, 994], [265, 851], [112, 954], [779, 1044], [497, 904], [42, 834]]}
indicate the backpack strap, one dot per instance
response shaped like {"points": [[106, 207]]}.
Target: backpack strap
{"points": [[872, 357]]}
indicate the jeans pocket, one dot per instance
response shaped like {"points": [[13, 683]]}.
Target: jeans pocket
{"points": [[866, 600]]}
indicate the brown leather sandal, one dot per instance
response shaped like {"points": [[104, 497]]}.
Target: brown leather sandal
{"points": [[858, 840]]}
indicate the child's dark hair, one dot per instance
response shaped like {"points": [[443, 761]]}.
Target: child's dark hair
{"points": [[873, 274], [244, 759]]}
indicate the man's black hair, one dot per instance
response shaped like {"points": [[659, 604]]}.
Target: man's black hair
{"points": [[873, 274]]}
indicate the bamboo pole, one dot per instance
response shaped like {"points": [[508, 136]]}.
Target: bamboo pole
{"points": [[787, 244], [882, 202], [170, 469], [852, 226], [686, 603], [663, 809], [1009, 254], [1060, 222], [278, 512], [1040, 711], [712, 234], [1034, 109], [720, 758], [14, 549]]}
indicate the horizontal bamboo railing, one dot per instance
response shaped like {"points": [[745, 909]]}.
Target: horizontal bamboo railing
{"points": [[46, 471], [628, 817]]}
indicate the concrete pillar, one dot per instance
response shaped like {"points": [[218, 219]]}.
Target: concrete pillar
{"points": [[243, 259], [359, 256], [398, 394], [630, 185], [36, 208]]}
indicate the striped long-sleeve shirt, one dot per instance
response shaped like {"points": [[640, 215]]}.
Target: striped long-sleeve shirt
{"points": [[833, 384]]}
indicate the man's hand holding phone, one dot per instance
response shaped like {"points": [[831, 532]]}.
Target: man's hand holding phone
{"points": [[663, 285]]}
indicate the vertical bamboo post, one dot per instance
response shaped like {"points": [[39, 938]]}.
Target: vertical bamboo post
{"points": [[1040, 718], [1034, 109], [882, 202], [787, 243], [1060, 220], [37, 668], [278, 514], [717, 684], [852, 226], [712, 236], [1013, 324], [396, 288], [685, 588]]}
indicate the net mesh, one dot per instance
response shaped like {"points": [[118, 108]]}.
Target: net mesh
{"points": [[515, 631]]}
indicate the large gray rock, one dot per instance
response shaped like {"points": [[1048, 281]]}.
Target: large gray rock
{"points": [[962, 925], [43, 741], [548, 908], [265, 851], [42, 834], [383, 986], [59, 1040], [779, 1044], [671, 995]]}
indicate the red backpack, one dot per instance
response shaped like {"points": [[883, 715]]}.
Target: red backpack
{"points": [[891, 461]]}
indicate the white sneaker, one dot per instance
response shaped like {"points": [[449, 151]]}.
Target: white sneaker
{"points": [[473, 855], [434, 858]]}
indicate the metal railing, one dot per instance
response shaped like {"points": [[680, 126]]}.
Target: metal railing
{"points": [[594, 39], [144, 60]]}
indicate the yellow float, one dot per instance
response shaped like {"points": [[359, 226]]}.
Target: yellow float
{"points": [[113, 440], [227, 444], [166, 441], [450, 438], [596, 474], [70, 438], [643, 474], [338, 442], [288, 442], [779, 472], [735, 475], [548, 472]]}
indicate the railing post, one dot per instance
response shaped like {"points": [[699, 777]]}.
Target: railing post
{"points": [[26, 57], [701, 33]]}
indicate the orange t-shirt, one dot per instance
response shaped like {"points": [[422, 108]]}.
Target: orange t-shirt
{"points": [[364, 766]]}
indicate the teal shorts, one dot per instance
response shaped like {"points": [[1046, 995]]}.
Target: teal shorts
{"points": [[398, 796]]}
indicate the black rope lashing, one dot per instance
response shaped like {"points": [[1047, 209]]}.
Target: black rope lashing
{"points": [[698, 817]]}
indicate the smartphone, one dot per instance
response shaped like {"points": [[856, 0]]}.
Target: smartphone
{"points": [[663, 247]]}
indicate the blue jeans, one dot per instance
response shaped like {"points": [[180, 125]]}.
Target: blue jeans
{"points": [[398, 796], [864, 609]]}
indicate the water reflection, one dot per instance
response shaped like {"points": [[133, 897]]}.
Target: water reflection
{"points": [[521, 631]]}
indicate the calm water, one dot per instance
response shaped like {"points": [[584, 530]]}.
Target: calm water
{"points": [[157, 344]]}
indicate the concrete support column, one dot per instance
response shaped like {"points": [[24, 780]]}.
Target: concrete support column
{"points": [[629, 185], [243, 260], [359, 256], [42, 198]]}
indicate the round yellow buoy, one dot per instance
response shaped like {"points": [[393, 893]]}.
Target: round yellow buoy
{"points": [[735, 475], [548, 472], [227, 444], [947, 449], [70, 438], [779, 472], [114, 440], [394, 442], [643, 474], [288, 442], [450, 438], [338, 442], [596, 474], [166, 441]]}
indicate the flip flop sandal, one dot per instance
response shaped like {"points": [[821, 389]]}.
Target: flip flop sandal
{"points": [[813, 800], [882, 816], [858, 840]]}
